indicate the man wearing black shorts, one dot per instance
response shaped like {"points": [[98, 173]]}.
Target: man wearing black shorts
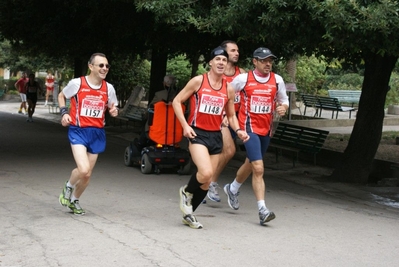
{"points": [[208, 96]]}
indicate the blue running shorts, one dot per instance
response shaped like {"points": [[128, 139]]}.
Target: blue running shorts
{"points": [[256, 146], [92, 138]]}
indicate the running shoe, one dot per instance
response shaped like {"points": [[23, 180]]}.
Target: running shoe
{"points": [[65, 196], [191, 221], [232, 198], [265, 216], [75, 207], [213, 192], [185, 201]]}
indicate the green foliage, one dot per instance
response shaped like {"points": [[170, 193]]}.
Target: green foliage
{"points": [[349, 81], [127, 72], [181, 68], [310, 74], [13, 92], [8, 84], [393, 93]]}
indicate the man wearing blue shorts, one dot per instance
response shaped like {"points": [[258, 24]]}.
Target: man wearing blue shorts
{"points": [[91, 96], [263, 93]]}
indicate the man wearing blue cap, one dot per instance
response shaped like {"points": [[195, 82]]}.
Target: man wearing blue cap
{"points": [[262, 93]]}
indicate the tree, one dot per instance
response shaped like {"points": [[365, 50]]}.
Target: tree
{"points": [[359, 31], [73, 30]]}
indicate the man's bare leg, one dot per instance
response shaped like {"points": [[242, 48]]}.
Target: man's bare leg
{"points": [[228, 152]]}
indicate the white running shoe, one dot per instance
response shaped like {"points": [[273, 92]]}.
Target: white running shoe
{"points": [[213, 192], [191, 221], [185, 201], [265, 216]]}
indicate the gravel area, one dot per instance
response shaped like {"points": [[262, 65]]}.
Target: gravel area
{"points": [[388, 149]]}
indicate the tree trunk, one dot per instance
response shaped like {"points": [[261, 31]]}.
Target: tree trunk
{"points": [[291, 69], [80, 68], [194, 66], [159, 60], [358, 157]]}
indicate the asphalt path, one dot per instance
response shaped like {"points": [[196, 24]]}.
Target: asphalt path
{"points": [[134, 219]]}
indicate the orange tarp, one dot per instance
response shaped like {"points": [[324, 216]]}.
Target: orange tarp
{"points": [[166, 128]]}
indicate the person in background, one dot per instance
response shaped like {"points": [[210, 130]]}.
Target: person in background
{"points": [[209, 96], [32, 88], [91, 96], [49, 82], [20, 86], [262, 93], [167, 94]]}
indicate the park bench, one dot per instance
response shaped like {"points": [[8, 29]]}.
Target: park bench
{"points": [[346, 96], [2, 91], [132, 111], [326, 103], [297, 139]]}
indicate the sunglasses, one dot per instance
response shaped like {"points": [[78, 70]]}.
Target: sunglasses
{"points": [[265, 60], [102, 65]]}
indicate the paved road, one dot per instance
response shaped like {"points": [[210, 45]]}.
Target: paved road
{"points": [[134, 220]]}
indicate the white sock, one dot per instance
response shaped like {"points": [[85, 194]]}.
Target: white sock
{"points": [[70, 185], [261, 204], [235, 186], [73, 198]]}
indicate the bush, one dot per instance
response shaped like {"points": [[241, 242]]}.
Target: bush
{"points": [[8, 84], [393, 93], [12, 92], [349, 81]]}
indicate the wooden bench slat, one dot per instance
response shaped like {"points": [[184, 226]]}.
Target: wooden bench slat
{"points": [[346, 96], [298, 139]]}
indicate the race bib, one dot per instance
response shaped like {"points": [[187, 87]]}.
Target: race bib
{"points": [[93, 108], [237, 98], [261, 104], [212, 105]]}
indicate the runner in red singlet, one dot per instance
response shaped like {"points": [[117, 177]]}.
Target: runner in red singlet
{"points": [[262, 93], [208, 95], [229, 148], [91, 96]]}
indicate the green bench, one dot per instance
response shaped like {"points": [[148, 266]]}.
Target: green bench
{"points": [[346, 96], [131, 113], [2, 91], [326, 103], [298, 139]]}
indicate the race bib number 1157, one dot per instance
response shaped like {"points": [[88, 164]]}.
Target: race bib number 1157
{"points": [[92, 108]]}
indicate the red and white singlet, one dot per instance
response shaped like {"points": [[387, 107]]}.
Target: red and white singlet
{"points": [[257, 105], [207, 105], [228, 79], [92, 105]]}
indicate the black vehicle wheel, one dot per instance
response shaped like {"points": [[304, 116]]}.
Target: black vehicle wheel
{"points": [[146, 166], [128, 157], [186, 169]]}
